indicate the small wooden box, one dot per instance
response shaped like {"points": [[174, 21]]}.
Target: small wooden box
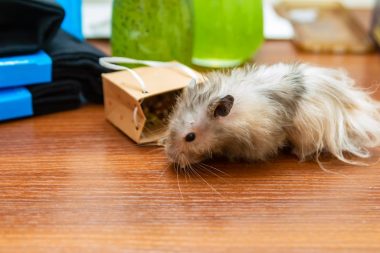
{"points": [[325, 27], [123, 98], [375, 27]]}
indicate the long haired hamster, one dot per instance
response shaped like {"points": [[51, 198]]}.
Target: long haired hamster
{"points": [[251, 113]]}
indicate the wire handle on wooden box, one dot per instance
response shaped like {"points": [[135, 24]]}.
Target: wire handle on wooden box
{"points": [[113, 63]]}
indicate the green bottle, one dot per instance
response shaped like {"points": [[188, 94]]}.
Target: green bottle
{"points": [[227, 32], [153, 30]]}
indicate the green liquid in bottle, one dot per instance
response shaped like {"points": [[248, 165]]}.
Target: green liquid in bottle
{"points": [[153, 30], [227, 32]]}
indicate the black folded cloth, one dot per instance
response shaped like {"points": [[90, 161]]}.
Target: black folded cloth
{"points": [[55, 97], [77, 61], [26, 26]]}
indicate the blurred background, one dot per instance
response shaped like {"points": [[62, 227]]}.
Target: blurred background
{"points": [[225, 33], [97, 17]]}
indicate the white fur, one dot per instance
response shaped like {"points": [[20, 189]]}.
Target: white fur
{"points": [[314, 109]]}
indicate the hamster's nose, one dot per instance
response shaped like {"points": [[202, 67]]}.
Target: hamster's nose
{"points": [[190, 137]]}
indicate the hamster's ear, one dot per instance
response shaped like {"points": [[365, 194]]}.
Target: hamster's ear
{"points": [[221, 107], [190, 87], [192, 84]]}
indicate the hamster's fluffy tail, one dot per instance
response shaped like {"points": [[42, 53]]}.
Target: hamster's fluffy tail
{"points": [[335, 116]]}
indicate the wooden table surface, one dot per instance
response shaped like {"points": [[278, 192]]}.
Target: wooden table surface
{"points": [[71, 182]]}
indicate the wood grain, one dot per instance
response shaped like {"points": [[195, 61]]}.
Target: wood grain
{"points": [[71, 182]]}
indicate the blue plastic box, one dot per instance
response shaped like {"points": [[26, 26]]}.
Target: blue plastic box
{"points": [[15, 103], [25, 70], [73, 17]]}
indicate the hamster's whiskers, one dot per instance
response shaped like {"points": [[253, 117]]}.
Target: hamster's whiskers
{"points": [[213, 168], [203, 179], [176, 167], [207, 170], [156, 150]]}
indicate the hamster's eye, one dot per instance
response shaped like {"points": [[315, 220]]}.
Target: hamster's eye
{"points": [[190, 137]]}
